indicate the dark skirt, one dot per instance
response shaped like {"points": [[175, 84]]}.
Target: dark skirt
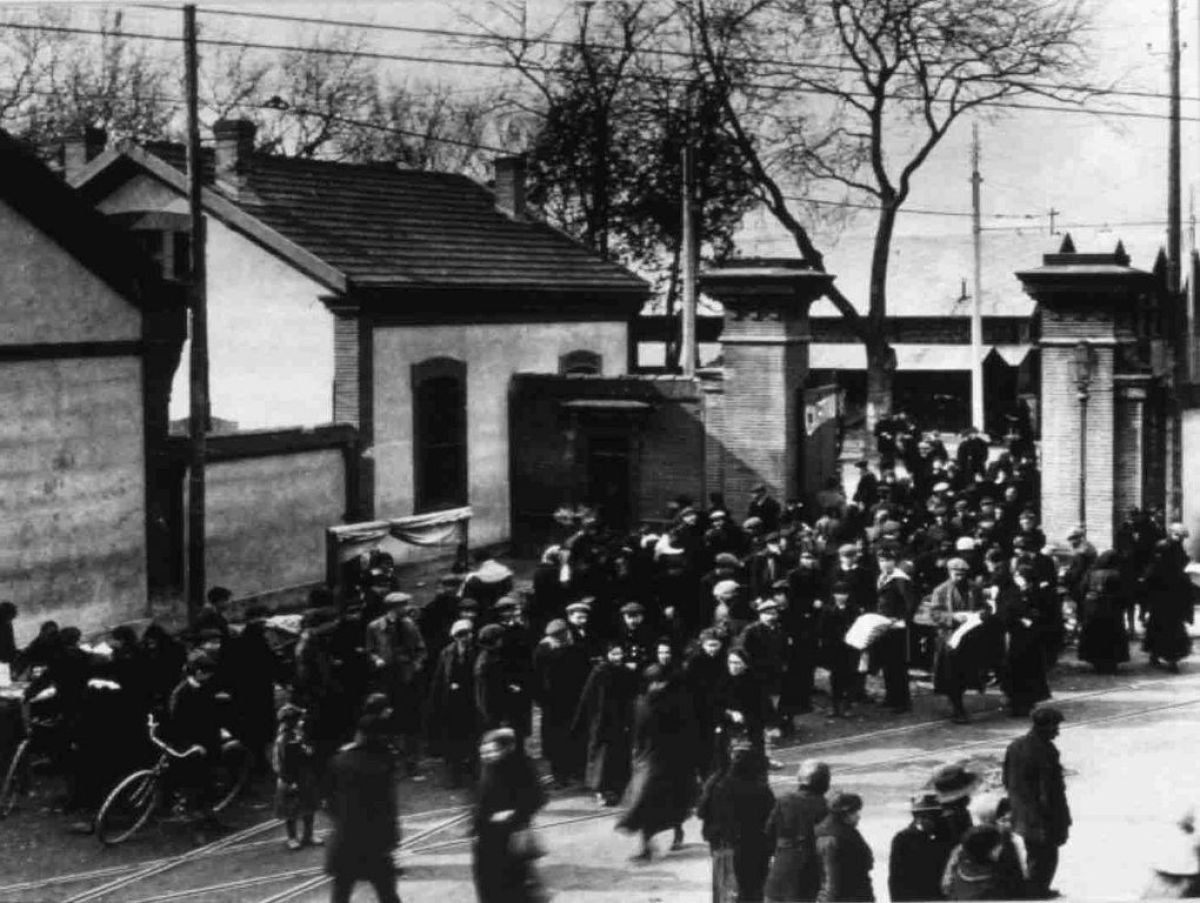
{"points": [[1166, 638], [660, 796], [1102, 639], [500, 876]]}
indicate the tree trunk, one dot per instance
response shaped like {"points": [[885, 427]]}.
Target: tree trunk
{"points": [[880, 357]]}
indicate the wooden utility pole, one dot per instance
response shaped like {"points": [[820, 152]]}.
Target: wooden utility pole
{"points": [[687, 325], [198, 417], [1174, 199], [977, 407]]}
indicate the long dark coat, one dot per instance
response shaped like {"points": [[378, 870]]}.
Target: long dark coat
{"points": [[1023, 677], [734, 809], [795, 872], [956, 669], [364, 813], [661, 792], [916, 864], [1168, 600], [500, 876], [746, 695], [846, 863], [497, 703], [1102, 639], [560, 674], [452, 718], [1033, 779], [701, 677], [605, 712]]}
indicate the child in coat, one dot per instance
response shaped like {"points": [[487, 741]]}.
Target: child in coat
{"points": [[296, 797]]}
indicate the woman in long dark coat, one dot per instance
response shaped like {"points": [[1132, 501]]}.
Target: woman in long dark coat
{"points": [[795, 872], [1023, 673], [661, 792], [1102, 639], [605, 712], [846, 860], [734, 809], [510, 794], [1169, 602], [742, 705]]}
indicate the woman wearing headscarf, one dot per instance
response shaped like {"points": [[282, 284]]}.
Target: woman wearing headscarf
{"points": [[846, 860], [742, 705], [605, 713], [978, 873], [991, 810], [1103, 642], [510, 794], [1023, 673], [795, 872], [661, 792], [734, 808]]}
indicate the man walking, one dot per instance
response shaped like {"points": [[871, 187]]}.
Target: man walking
{"points": [[1033, 778], [398, 653]]}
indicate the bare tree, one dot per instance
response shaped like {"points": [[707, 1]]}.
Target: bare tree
{"points": [[859, 93]]}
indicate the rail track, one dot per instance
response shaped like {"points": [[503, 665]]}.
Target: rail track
{"points": [[122, 878]]}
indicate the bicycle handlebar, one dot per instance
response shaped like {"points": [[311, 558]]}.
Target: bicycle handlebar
{"points": [[196, 749]]}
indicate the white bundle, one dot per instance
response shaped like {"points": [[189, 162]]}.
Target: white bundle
{"points": [[866, 630]]}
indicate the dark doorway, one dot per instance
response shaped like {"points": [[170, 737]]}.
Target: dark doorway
{"points": [[608, 488]]}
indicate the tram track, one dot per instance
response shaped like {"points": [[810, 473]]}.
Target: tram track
{"points": [[123, 877]]}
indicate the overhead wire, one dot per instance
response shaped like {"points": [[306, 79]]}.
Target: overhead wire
{"points": [[494, 64]]}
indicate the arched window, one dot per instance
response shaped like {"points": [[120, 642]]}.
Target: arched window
{"points": [[580, 363], [439, 388]]}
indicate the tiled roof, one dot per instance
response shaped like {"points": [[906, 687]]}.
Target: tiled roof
{"points": [[385, 227]]}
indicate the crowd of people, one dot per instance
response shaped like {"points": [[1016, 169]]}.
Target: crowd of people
{"points": [[649, 656]]}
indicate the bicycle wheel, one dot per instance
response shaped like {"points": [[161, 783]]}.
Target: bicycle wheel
{"points": [[16, 778], [128, 807], [230, 775]]}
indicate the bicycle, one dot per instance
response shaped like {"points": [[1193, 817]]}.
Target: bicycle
{"points": [[129, 806], [39, 740]]}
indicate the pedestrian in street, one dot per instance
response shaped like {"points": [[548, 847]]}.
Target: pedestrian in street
{"points": [[846, 860], [744, 709], [950, 607], [1168, 600], [364, 813], [839, 658], [605, 715], [556, 664], [452, 718], [505, 848], [1023, 671], [766, 646], [1103, 642], [1033, 779], [734, 808], [919, 854], [296, 791], [398, 652], [953, 785], [661, 792], [896, 599], [795, 875], [977, 874], [702, 675], [993, 810]]}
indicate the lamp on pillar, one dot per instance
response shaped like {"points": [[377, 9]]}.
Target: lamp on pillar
{"points": [[1083, 368]]}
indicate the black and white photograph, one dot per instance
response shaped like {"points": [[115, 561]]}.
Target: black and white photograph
{"points": [[600, 451]]}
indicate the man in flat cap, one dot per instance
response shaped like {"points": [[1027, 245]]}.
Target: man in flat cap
{"points": [[767, 646], [452, 718], [1033, 779], [398, 652], [764, 507], [636, 638]]}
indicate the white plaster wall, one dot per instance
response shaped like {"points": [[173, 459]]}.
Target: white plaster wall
{"points": [[49, 296], [1191, 479], [72, 496], [270, 337], [492, 353]]}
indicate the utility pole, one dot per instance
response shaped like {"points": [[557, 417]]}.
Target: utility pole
{"points": [[198, 417], [1054, 214], [687, 338], [977, 411], [1174, 217]]}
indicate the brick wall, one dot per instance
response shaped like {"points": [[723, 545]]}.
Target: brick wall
{"points": [[1061, 430], [1130, 434]]}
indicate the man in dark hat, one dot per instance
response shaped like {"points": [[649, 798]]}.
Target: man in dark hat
{"points": [[866, 493], [764, 507], [558, 685], [951, 605], [953, 785], [365, 815], [635, 636], [767, 646], [1033, 779], [972, 453], [919, 854], [583, 635], [453, 728], [398, 652], [194, 720], [439, 613]]}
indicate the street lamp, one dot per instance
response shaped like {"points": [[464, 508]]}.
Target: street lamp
{"points": [[1083, 368]]}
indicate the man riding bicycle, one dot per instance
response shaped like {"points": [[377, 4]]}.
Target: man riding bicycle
{"points": [[194, 720]]}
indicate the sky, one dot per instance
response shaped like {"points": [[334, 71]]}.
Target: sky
{"points": [[1106, 176]]}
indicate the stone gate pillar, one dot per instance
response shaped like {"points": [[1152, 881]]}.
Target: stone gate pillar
{"points": [[764, 344], [1092, 417]]}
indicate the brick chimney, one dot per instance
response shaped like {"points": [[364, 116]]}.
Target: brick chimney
{"points": [[510, 185], [80, 149], [235, 145]]}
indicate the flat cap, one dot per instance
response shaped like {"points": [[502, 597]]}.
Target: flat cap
{"points": [[396, 598], [581, 605], [633, 608]]}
